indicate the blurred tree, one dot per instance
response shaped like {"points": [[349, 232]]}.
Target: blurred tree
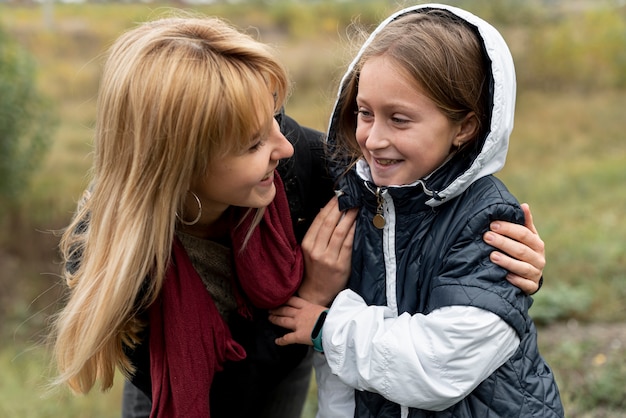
{"points": [[25, 123]]}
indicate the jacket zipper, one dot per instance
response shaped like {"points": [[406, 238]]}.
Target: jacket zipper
{"points": [[379, 217]]}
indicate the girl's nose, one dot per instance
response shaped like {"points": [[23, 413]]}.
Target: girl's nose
{"points": [[376, 136]]}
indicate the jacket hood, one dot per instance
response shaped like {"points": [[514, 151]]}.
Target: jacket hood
{"points": [[490, 154]]}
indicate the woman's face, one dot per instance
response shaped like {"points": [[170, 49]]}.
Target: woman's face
{"points": [[243, 179], [402, 133]]}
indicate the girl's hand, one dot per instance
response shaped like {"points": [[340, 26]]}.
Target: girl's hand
{"points": [[522, 252], [299, 316], [327, 248]]}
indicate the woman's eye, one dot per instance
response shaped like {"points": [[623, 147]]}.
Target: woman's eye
{"points": [[256, 145]]}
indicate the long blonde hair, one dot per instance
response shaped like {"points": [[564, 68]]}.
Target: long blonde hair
{"points": [[176, 94]]}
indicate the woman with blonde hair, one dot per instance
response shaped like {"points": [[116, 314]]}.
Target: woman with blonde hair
{"points": [[185, 238], [185, 139]]}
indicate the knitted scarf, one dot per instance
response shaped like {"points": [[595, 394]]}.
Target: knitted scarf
{"points": [[189, 340]]}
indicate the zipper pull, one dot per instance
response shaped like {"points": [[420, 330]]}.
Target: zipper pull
{"points": [[379, 219]]}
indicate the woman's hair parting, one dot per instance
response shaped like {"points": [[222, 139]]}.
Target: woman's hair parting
{"points": [[436, 50], [176, 94]]}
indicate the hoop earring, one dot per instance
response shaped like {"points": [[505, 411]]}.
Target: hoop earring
{"points": [[195, 221]]}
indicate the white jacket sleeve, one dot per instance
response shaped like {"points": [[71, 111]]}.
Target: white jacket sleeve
{"points": [[421, 361], [335, 399]]}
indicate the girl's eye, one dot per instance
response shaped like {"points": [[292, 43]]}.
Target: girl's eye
{"points": [[364, 114], [398, 120]]}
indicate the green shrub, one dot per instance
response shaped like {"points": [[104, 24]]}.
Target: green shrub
{"points": [[25, 122], [579, 51], [560, 302], [605, 386]]}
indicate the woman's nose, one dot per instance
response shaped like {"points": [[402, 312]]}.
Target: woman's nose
{"points": [[282, 146]]}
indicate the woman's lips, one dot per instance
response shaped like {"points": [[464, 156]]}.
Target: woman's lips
{"points": [[268, 179]]}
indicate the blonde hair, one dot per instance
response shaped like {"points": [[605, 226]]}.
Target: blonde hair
{"points": [[176, 94]]}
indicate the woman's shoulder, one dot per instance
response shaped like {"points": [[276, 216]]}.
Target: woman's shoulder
{"points": [[305, 176]]}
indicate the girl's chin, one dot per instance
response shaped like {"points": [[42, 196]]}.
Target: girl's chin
{"points": [[386, 179], [385, 175], [383, 180]]}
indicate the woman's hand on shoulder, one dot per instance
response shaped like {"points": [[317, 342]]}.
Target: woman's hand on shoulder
{"points": [[522, 251]]}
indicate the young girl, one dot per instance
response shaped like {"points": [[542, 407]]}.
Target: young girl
{"points": [[429, 327]]}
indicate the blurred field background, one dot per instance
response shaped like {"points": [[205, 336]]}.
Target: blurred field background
{"points": [[567, 159]]}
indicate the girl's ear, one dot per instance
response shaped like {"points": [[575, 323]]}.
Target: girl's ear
{"points": [[468, 130]]}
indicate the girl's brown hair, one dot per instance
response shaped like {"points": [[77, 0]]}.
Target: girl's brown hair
{"points": [[436, 50]]}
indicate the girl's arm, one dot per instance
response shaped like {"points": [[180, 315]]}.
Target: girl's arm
{"points": [[422, 361]]}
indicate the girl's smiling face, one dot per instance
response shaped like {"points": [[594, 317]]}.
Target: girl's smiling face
{"points": [[402, 134]]}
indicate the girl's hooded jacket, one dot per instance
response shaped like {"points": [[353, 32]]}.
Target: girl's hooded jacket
{"points": [[429, 327]]}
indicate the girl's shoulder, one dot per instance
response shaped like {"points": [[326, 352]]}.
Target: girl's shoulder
{"points": [[486, 200]]}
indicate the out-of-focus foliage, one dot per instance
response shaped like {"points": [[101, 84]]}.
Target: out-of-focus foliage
{"points": [[25, 121], [584, 51], [561, 45]]}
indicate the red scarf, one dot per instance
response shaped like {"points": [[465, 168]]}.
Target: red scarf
{"points": [[189, 341]]}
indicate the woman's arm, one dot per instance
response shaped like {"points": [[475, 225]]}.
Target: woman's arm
{"points": [[328, 244], [522, 252], [327, 249]]}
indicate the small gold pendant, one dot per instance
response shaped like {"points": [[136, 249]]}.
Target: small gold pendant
{"points": [[379, 221]]}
